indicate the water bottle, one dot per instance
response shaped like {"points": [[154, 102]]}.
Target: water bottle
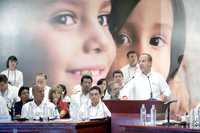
{"points": [[45, 112], [13, 112], [192, 119], [13, 109], [198, 116], [153, 115], [30, 110], [143, 114], [56, 113]]}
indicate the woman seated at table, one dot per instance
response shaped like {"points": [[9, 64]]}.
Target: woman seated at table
{"points": [[23, 93], [55, 97], [95, 109], [64, 96], [102, 84]]}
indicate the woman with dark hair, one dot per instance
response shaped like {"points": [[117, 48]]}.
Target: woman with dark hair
{"points": [[15, 77], [155, 27], [23, 93], [102, 84]]}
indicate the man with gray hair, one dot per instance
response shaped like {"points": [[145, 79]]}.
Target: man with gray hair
{"points": [[39, 108]]}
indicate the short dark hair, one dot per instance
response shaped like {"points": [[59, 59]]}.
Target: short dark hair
{"points": [[148, 55], [11, 58], [3, 78], [100, 81], [96, 88], [118, 71], [86, 77], [130, 52], [21, 89]]}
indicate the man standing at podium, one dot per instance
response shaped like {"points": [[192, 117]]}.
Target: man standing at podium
{"points": [[146, 84]]}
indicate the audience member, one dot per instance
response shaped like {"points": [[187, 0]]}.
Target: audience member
{"points": [[39, 107], [55, 95], [95, 109], [81, 97], [15, 77], [41, 80]]}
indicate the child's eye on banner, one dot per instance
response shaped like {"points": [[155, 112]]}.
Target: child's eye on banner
{"points": [[124, 39], [65, 18], [157, 41], [103, 19]]}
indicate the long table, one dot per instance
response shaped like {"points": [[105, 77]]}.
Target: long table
{"points": [[155, 129], [57, 126]]}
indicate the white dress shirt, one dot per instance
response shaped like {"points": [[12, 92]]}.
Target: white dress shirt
{"points": [[4, 114], [140, 87], [76, 101], [129, 72], [94, 112], [15, 77], [46, 93], [10, 95], [31, 110], [107, 96]]}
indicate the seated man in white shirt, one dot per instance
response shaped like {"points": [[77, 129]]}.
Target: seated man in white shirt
{"points": [[114, 88], [118, 77], [4, 114], [81, 97], [39, 108], [130, 70], [8, 92], [95, 108], [41, 80], [146, 84]]}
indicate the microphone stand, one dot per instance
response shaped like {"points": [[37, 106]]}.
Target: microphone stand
{"points": [[151, 93], [168, 123]]}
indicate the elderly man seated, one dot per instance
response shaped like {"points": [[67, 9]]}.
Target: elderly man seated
{"points": [[39, 107]]}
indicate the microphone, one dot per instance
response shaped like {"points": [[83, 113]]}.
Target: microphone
{"points": [[151, 93], [169, 102]]}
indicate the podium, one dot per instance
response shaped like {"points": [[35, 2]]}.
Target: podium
{"points": [[133, 106], [127, 112]]}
